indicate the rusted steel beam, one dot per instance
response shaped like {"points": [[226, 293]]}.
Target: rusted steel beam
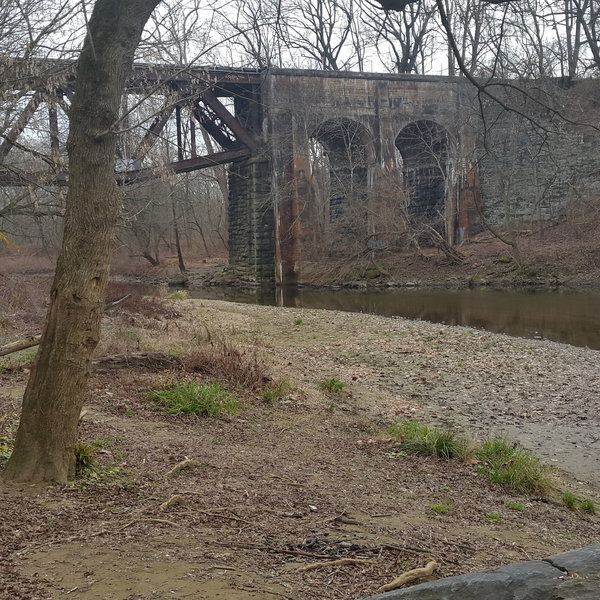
{"points": [[35, 73], [186, 166], [16, 179], [212, 124], [230, 120]]}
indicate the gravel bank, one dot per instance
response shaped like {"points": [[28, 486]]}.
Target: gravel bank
{"points": [[542, 394]]}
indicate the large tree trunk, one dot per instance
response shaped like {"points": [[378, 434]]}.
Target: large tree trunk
{"points": [[44, 446]]}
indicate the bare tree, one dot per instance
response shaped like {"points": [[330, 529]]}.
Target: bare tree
{"points": [[46, 437]]}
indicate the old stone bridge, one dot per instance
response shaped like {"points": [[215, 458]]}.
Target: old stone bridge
{"points": [[328, 162]]}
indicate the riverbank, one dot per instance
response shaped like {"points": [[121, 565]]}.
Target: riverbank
{"points": [[565, 255], [307, 473]]}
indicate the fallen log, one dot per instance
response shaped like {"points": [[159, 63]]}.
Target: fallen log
{"points": [[28, 342], [34, 340], [155, 361]]}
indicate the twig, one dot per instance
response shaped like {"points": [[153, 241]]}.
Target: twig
{"points": [[216, 513], [149, 520], [336, 563], [409, 576], [275, 550]]}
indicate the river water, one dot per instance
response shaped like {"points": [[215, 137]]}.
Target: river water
{"points": [[567, 316]]}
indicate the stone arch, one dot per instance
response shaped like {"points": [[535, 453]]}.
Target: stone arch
{"points": [[425, 148], [341, 153]]}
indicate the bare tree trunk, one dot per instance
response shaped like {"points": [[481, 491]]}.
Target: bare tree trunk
{"points": [[180, 260], [44, 445]]}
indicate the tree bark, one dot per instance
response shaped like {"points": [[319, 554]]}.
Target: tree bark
{"points": [[45, 441]]}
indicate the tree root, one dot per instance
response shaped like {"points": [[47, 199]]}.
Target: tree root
{"points": [[336, 563], [186, 463], [172, 501], [409, 576]]}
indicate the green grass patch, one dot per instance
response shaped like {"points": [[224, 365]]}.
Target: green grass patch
{"points": [[426, 440], [440, 509], [587, 506], [499, 460], [573, 502], [515, 505], [517, 469], [298, 321], [332, 385], [494, 517], [278, 390], [206, 399], [570, 500]]}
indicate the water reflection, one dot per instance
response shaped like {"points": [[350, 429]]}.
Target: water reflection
{"points": [[571, 317]]}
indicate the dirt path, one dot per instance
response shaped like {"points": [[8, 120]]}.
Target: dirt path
{"points": [[303, 479]]}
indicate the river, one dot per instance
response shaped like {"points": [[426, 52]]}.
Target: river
{"points": [[563, 315]]}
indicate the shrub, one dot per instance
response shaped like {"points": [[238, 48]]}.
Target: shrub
{"points": [[225, 362], [426, 440], [207, 400], [143, 300], [517, 469]]}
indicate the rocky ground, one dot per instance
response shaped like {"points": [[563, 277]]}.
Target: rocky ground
{"points": [[306, 477]]}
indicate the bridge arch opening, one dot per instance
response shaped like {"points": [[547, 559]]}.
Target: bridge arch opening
{"points": [[340, 153], [424, 147], [340, 150]]}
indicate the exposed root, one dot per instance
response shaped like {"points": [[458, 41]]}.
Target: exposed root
{"points": [[186, 463], [409, 576], [172, 501]]}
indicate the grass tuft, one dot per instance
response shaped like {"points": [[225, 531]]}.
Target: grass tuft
{"points": [[85, 459], [207, 399], [570, 500], [517, 469], [332, 385], [426, 440], [277, 390], [573, 502], [499, 460]]}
